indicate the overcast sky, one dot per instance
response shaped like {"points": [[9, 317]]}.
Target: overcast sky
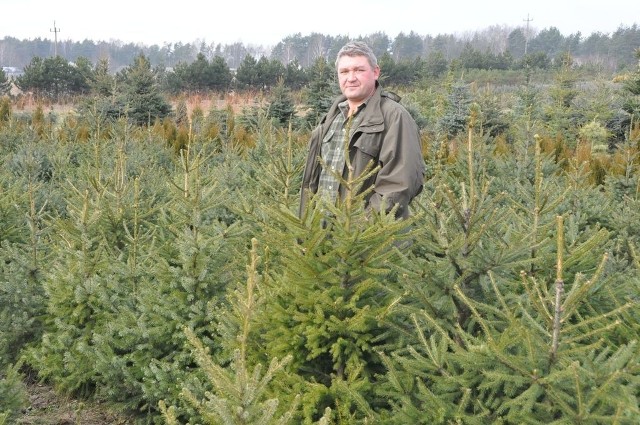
{"points": [[264, 22]]}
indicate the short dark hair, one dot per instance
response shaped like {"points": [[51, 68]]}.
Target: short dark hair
{"points": [[358, 48]]}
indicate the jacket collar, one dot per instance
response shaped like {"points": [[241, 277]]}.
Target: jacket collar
{"points": [[371, 115]]}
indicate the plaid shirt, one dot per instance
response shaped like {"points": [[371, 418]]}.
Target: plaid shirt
{"points": [[334, 146]]}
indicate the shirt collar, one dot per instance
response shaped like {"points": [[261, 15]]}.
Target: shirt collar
{"points": [[344, 107]]}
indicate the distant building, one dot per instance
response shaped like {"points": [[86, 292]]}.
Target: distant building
{"points": [[12, 71]]}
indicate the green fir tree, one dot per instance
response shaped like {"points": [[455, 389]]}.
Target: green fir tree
{"points": [[515, 316], [330, 297], [238, 395]]}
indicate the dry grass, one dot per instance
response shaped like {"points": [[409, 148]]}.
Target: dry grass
{"points": [[206, 102]]}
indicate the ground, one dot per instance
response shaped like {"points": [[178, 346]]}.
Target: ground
{"points": [[48, 408]]}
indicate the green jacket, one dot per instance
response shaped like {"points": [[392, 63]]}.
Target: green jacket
{"points": [[388, 137]]}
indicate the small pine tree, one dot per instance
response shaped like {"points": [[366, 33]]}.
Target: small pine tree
{"points": [[321, 90], [560, 117], [73, 284], [238, 396], [329, 297], [534, 358], [271, 173], [5, 110], [91, 291], [140, 98], [476, 357], [631, 102], [38, 121], [182, 113], [457, 110], [185, 286], [5, 83], [13, 395], [22, 260], [281, 107]]}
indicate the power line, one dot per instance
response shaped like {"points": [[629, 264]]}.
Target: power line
{"points": [[55, 32]]}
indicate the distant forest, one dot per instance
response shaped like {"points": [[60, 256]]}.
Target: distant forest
{"points": [[607, 52]]}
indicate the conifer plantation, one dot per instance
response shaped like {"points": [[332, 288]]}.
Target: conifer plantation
{"points": [[154, 260]]}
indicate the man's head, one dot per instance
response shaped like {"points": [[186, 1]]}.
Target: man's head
{"points": [[358, 71]]}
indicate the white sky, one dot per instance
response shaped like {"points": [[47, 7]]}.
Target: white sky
{"points": [[264, 22]]}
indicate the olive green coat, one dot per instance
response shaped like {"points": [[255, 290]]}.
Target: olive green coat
{"points": [[388, 137]]}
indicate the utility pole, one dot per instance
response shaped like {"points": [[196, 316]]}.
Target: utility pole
{"points": [[526, 47], [55, 32], [526, 35]]}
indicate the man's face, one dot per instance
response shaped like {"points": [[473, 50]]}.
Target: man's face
{"points": [[357, 78]]}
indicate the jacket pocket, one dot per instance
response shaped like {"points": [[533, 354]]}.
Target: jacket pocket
{"points": [[369, 145], [366, 153]]}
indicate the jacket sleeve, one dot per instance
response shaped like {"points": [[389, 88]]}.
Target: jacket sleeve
{"points": [[311, 170], [401, 174]]}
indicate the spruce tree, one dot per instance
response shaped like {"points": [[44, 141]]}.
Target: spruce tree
{"points": [[513, 315], [28, 195], [73, 284], [5, 111], [23, 263], [631, 100], [537, 357], [13, 395], [560, 116], [329, 298], [461, 235], [93, 277], [182, 113], [281, 106], [197, 260], [101, 106], [5, 83], [321, 90], [140, 98], [457, 110], [237, 395]]}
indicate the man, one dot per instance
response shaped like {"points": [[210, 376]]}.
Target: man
{"points": [[379, 132]]}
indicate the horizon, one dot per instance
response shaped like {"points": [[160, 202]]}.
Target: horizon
{"points": [[459, 35]]}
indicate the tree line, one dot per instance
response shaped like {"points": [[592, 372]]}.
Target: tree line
{"points": [[609, 51], [54, 77], [141, 92]]}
